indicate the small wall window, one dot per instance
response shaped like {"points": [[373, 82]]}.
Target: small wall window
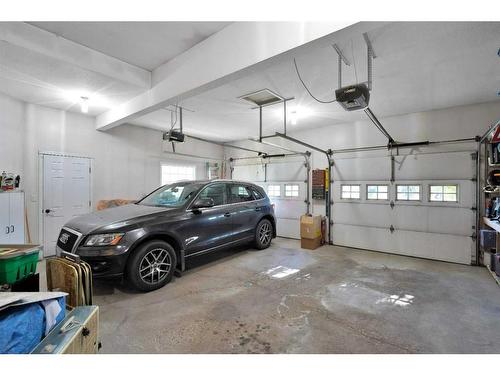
{"points": [[408, 192], [274, 190], [174, 173], [377, 192], [291, 190], [443, 193], [350, 192]]}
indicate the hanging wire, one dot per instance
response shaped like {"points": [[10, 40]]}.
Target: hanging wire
{"points": [[354, 61], [309, 92]]}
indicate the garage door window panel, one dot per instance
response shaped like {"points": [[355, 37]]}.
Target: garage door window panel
{"points": [[291, 191], [350, 192], [274, 191], [377, 192], [443, 193], [408, 192]]}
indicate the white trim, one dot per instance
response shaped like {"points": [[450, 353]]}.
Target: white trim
{"points": [[64, 154]]}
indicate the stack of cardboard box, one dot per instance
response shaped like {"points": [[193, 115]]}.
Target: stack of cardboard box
{"points": [[310, 231]]}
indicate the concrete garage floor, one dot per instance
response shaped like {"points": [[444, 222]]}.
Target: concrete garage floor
{"points": [[288, 300]]}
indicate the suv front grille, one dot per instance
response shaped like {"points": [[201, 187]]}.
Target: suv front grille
{"points": [[67, 240]]}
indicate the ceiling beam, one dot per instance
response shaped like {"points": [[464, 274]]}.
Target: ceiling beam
{"points": [[34, 39], [238, 49]]}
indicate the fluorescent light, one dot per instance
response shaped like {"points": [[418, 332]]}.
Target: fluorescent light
{"points": [[84, 104]]}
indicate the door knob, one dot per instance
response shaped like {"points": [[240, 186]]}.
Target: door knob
{"points": [[47, 210]]}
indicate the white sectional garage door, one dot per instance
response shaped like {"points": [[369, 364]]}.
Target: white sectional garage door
{"points": [[424, 228], [286, 175]]}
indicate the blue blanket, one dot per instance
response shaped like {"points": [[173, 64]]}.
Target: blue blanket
{"points": [[23, 327]]}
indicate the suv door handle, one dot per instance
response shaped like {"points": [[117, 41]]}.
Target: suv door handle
{"points": [[258, 208], [227, 214]]}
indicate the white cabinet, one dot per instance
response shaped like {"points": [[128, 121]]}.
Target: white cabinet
{"points": [[12, 217]]}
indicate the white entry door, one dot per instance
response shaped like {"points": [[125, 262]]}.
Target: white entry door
{"points": [[66, 194]]}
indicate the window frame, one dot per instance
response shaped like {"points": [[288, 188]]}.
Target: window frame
{"points": [[176, 166], [409, 200], [292, 196], [378, 199], [443, 193], [224, 197], [273, 196], [248, 189], [350, 192]]}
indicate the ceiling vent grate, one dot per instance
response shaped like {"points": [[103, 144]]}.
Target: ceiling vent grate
{"points": [[262, 97]]}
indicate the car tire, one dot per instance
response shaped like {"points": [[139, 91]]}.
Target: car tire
{"points": [[263, 234], [151, 266]]}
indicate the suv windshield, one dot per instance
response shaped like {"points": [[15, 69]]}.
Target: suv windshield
{"points": [[174, 195]]}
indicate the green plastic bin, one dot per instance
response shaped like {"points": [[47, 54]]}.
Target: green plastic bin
{"points": [[18, 265]]}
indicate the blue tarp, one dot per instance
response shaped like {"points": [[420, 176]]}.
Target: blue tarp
{"points": [[23, 327]]}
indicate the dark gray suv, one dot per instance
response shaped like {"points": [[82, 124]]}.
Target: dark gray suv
{"points": [[148, 240]]}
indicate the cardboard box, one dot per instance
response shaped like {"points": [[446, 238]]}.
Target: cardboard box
{"points": [[310, 244], [310, 226]]}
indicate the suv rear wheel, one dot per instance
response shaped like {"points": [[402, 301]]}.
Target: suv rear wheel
{"points": [[263, 234], [151, 266]]}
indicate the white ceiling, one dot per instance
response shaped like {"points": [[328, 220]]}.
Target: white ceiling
{"points": [[143, 44], [108, 62], [420, 67]]}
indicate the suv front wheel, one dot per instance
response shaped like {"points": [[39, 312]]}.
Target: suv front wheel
{"points": [[151, 266], [263, 234]]}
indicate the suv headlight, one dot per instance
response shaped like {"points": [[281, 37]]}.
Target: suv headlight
{"points": [[107, 239]]}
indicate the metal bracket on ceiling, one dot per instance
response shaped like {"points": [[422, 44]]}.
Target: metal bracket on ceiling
{"points": [[370, 56], [175, 108], [369, 45], [341, 59], [270, 104]]}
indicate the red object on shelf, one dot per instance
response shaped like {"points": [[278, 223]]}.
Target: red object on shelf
{"points": [[496, 135]]}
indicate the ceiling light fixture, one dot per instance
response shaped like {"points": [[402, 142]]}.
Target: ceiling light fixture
{"points": [[84, 104], [293, 118]]}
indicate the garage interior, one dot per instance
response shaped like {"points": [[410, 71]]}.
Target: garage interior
{"points": [[403, 178]]}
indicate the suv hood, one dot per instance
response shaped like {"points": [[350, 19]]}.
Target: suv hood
{"points": [[110, 218]]}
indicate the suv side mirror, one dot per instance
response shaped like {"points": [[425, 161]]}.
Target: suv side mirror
{"points": [[203, 203]]}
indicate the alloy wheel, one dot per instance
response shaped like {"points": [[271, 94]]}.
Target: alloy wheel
{"points": [[265, 233], [155, 266]]}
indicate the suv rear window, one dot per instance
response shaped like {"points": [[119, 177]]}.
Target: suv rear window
{"points": [[256, 193], [240, 193]]}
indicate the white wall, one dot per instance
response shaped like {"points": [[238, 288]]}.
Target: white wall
{"points": [[11, 134], [126, 159]]}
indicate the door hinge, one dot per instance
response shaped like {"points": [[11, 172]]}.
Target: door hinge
{"points": [[90, 204], [90, 170]]}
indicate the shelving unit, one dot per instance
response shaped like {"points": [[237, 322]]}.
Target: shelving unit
{"points": [[482, 196]]}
